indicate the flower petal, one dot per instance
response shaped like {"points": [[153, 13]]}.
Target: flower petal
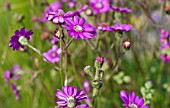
{"points": [[60, 95]]}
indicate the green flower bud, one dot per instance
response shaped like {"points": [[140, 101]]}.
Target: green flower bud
{"points": [[148, 85], [88, 70], [126, 79], [97, 84], [101, 75], [121, 74]]}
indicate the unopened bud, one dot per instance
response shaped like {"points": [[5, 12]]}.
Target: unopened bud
{"points": [[58, 33], [167, 10], [99, 62], [7, 5], [101, 75], [97, 84], [89, 12], [88, 70], [126, 43], [126, 79], [148, 85], [19, 17]]}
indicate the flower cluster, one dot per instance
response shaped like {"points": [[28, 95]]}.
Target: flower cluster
{"points": [[132, 101], [165, 45], [70, 97]]}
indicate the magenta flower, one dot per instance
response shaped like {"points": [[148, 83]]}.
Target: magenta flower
{"points": [[70, 96], [82, 106], [52, 7], [163, 36], [14, 73], [121, 27], [71, 3], [83, 8], [7, 75], [103, 27], [165, 58], [121, 10], [99, 6], [132, 101], [86, 85], [53, 55], [59, 16], [79, 29], [15, 90], [22, 33], [54, 40], [165, 46], [100, 59]]}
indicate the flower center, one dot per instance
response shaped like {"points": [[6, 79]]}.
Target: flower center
{"points": [[59, 13], [78, 28], [22, 40], [133, 105], [53, 54], [71, 102], [98, 5]]}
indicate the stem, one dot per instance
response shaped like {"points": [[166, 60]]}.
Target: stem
{"points": [[61, 57], [69, 43], [37, 51]]}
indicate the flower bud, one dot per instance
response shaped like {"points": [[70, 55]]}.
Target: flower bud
{"points": [[101, 75], [7, 5], [88, 70], [126, 43], [148, 85], [167, 9], [99, 62], [89, 12], [19, 18], [58, 33], [97, 84], [126, 79]]}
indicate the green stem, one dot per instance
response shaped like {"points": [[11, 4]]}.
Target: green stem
{"points": [[38, 51], [69, 43], [61, 66]]}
